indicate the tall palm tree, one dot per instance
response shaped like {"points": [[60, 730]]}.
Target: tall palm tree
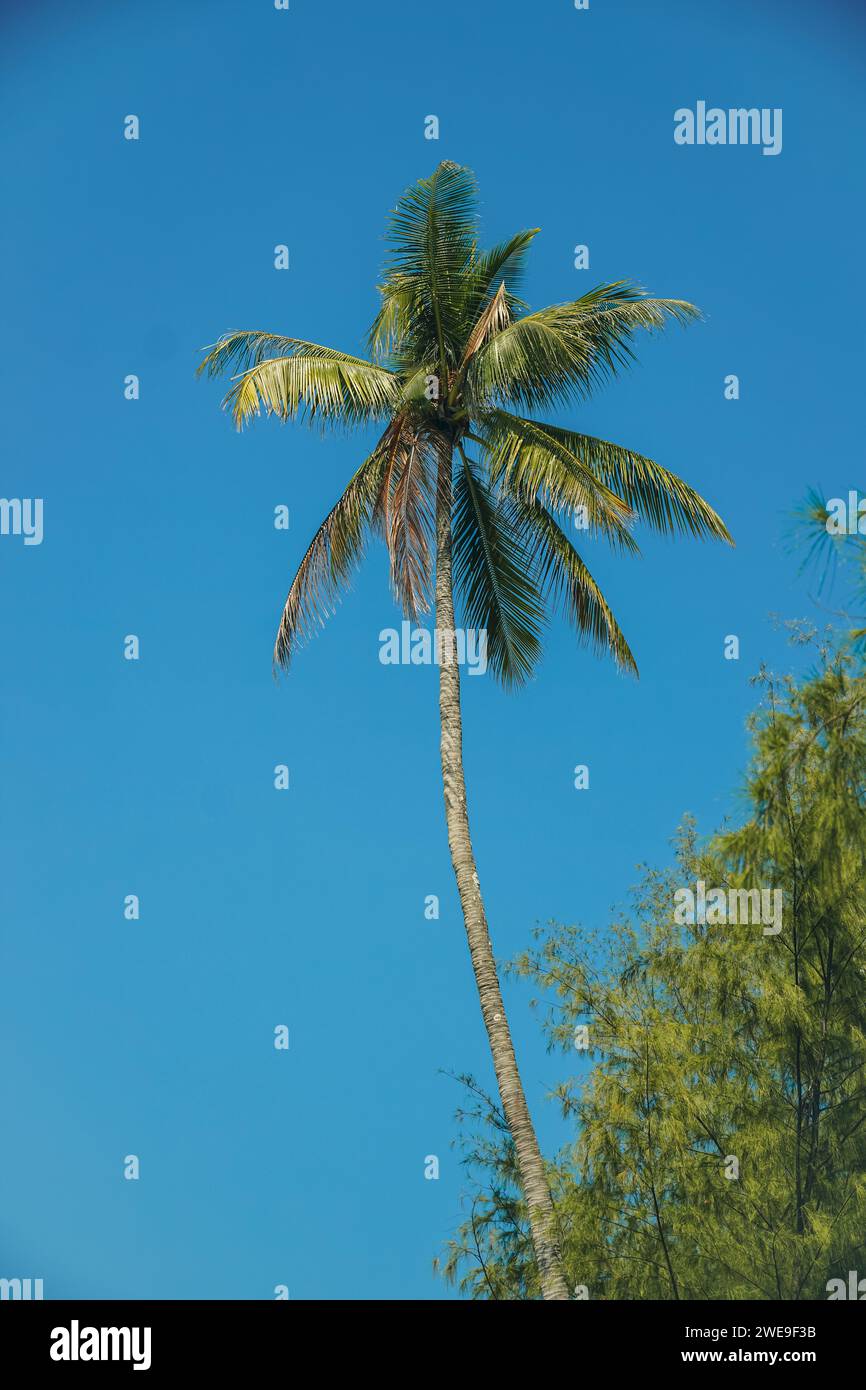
{"points": [[467, 493]]}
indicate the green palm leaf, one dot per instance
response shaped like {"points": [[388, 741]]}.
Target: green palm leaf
{"points": [[563, 578], [567, 350], [236, 351], [493, 318], [502, 264], [332, 555], [653, 493], [506, 261], [431, 237], [492, 568], [399, 316], [329, 385], [530, 459]]}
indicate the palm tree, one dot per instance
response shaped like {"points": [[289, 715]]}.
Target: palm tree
{"points": [[830, 549], [469, 494]]}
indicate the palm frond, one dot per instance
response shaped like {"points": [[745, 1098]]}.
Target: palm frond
{"points": [[239, 349], [413, 387], [529, 458], [431, 235], [564, 578], [492, 570], [331, 556], [409, 502], [654, 494], [236, 351], [396, 320], [565, 351], [493, 318], [503, 263], [326, 384], [808, 534]]}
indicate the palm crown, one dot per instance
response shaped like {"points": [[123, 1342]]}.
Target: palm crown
{"points": [[457, 363]]}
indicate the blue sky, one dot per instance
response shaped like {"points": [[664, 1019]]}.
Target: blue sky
{"points": [[155, 777]]}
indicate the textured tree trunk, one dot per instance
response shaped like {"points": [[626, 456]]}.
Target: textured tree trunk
{"points": [[531, 1166]]}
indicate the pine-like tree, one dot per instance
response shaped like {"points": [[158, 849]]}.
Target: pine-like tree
{"points": [[720, 1146]]}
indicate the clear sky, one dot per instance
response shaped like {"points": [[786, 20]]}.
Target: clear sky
{"points": [[155, 778]]}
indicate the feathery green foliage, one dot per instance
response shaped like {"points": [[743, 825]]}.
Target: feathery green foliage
{"points": [[712, 1042]]}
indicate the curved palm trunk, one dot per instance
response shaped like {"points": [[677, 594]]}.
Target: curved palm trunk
{"points": [[529, 1161]]}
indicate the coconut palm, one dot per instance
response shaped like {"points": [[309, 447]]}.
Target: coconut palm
{"points": [[829, 547], [471, 492]]}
